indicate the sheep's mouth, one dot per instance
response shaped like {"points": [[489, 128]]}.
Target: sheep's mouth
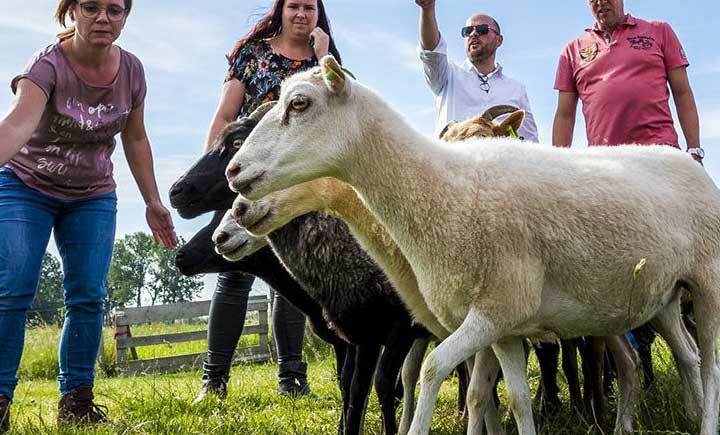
{"points": [[256, 228], [232, 253], [245, 187]]}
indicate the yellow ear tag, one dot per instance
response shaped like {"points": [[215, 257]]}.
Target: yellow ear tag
{"points": [[331, 75], [512, 132]]}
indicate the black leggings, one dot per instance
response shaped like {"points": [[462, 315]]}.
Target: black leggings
{"points": [[227, 319]]}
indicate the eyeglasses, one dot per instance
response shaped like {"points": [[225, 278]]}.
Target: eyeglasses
{"points": [[92, 10], [480, 29]]}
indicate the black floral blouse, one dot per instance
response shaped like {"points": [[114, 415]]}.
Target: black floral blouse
{"points": [[261, 71]]}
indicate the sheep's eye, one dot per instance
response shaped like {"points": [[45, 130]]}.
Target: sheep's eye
{"points": [[299, 104], [237, 143]]}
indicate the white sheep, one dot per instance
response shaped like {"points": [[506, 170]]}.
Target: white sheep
{"points": [[333, 197], [508, 240]]}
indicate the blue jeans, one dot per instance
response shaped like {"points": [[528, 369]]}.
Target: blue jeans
{"points": [[84, 233]]}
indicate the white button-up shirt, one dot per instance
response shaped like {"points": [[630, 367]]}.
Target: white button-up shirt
{"points": [[458, 92]]}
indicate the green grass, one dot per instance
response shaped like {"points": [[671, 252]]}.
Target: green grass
{"points": [[161, 404]]}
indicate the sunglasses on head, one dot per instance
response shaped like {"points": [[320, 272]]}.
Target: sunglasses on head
{"points": [[480, 29]]}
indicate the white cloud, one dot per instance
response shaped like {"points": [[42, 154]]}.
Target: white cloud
{"points": [[33, 16], [394, 46], [710, 124]]}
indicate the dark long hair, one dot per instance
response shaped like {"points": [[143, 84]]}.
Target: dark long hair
{"points": [[62, 12], [270, 26]]}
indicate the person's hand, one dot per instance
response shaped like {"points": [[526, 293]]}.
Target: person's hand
{"points": [[425, 3], [321, 42], [160, 222]]}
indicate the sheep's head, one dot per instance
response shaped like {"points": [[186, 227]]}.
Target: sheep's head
{"points": [[203, 187], [483, 125], [274, 210], [303, 137], [233, 242]]}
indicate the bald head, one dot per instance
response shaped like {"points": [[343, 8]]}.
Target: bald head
{"points": [[483, 19]]}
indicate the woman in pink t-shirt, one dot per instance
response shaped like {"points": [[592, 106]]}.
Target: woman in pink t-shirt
{"points": [[71, 101]]}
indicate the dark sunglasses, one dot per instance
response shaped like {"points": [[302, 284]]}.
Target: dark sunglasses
{"points": [[480, 29]]}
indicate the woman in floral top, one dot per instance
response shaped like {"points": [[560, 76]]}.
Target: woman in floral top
{"points": [[290, 38]]}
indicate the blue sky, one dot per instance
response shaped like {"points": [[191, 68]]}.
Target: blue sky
{"points": [[182, 45]]}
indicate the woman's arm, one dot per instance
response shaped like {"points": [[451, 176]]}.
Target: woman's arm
{"points": [[139, 158], [231, 100], [19, 124]]}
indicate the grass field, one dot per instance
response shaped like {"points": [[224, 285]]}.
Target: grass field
{"points": [[161, 404]]}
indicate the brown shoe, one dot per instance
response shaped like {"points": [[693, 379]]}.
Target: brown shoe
{"points": [[4, 413], [77, 407]]}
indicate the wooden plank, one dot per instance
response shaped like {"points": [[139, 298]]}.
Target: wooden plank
{"points": [[185, 362], [181, 337], [166, 313], [182, 310], [152, 340]]}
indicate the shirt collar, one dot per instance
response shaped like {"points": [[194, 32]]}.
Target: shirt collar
{"points": [[630, 21], [467, 66]]}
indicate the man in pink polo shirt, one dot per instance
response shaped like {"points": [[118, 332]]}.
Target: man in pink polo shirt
{"points": [[620, 69]]}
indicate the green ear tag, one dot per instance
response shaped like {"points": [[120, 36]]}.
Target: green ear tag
{"points": [[331, 75], [512, 132]]}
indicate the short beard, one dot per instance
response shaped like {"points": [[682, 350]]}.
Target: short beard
{"points": [[484, 54]]}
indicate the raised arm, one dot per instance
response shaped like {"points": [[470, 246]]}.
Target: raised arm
{"points": [[429, 32], [18, 125], [433, 52], [564, 123], [139, 158], [231, 100]]}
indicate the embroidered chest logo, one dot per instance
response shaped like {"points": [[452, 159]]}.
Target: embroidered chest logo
{"points": [[641, 42], [589, 53]]}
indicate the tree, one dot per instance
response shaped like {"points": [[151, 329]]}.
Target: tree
{"points": [[167, 282], [49, 296], [129, 269], [142, 270]]}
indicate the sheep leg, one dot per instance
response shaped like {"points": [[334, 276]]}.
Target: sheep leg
{"points": [[708, 326], [511, 354], [386, 375], [346, 375], [593, 355], [669, 324], [410, 375], [341, 350], [628, 380], [547, 356], [366, 359], [570, 368], [476, 332], [480, 400]]}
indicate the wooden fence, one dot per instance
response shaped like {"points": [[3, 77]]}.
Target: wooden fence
{"points": [[126, 357]]}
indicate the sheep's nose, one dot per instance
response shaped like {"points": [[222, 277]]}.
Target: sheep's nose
{"points": [[239, 210], [232, 171], [221, 237]]}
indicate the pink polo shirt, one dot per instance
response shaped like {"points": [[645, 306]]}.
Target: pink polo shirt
{"points": [[623, 84]]}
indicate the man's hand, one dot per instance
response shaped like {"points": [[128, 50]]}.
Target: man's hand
{"points": [[425, 3], [321, 42]]}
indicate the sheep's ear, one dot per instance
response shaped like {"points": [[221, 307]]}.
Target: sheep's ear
{"points": [[513, 121], [445, 130], [334, 76]]}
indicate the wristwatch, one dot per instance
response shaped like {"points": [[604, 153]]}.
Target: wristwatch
{"points": [[697, 151]]}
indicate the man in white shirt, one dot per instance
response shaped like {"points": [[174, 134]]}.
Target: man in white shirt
{"points": [[463, 91]]}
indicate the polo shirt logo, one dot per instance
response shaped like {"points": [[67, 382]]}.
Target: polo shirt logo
{"points": [[589, 53], [641, 42]]}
